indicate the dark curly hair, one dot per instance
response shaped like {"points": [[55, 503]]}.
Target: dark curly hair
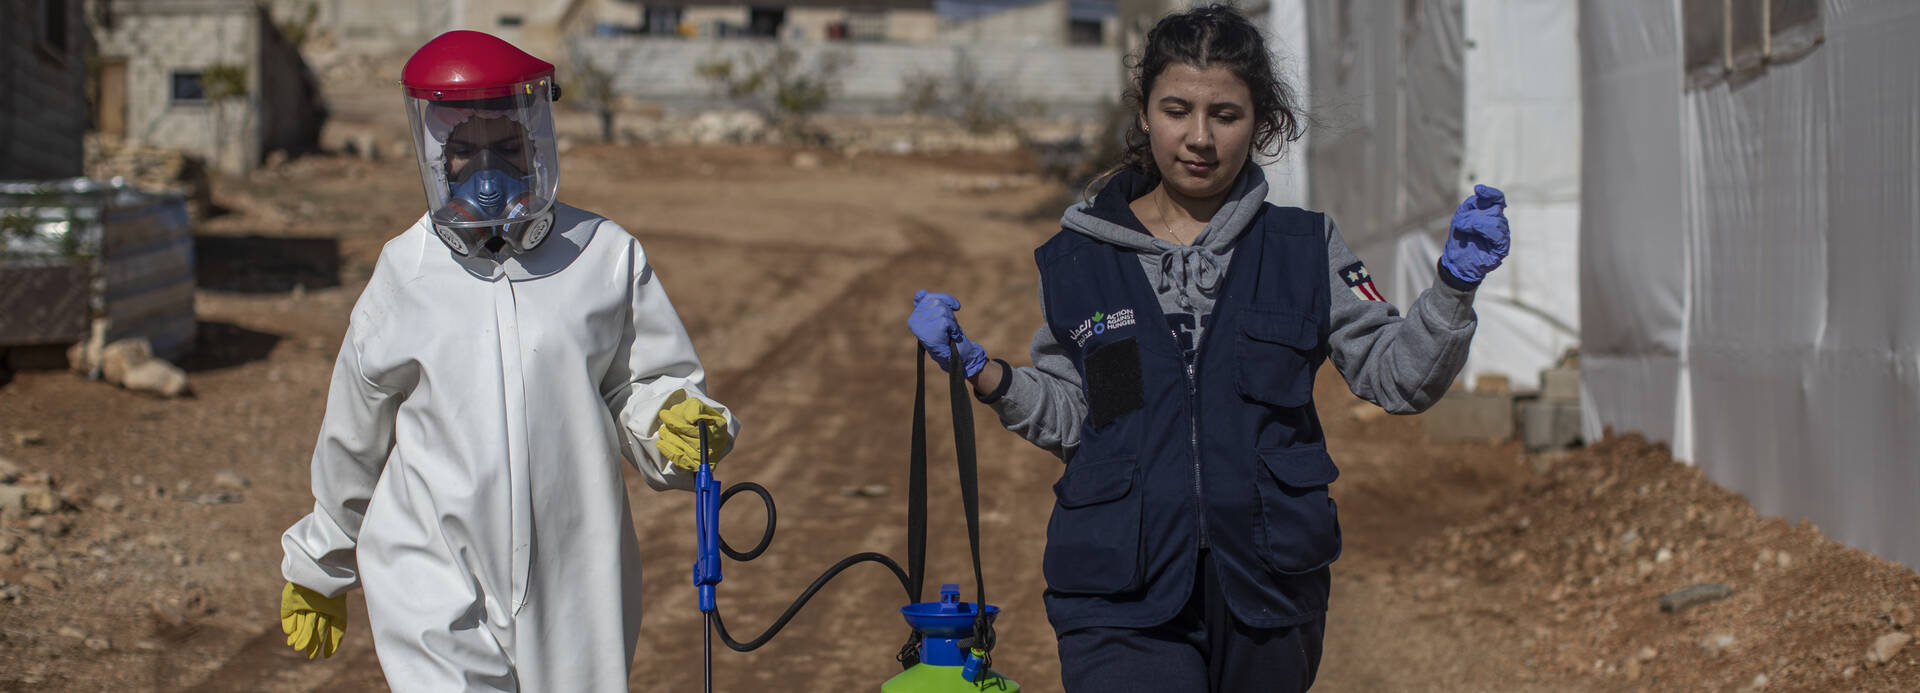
{"points": [[1208, 36]]}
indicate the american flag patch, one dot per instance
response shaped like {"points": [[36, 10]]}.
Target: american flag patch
{"points": [[1361, 282]]}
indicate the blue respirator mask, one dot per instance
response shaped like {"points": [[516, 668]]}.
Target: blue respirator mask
{"points": [[490, 188]]}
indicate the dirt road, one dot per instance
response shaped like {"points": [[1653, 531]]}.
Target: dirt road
{"points": [[1467, 567]]}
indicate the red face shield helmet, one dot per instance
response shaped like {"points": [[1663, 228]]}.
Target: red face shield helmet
{"points": [[481, 112]]}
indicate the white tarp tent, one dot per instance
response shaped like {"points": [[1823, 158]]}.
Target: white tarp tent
{"points": [[1752, 249], [1717, 200], [1286, 30], [1413, 104]]}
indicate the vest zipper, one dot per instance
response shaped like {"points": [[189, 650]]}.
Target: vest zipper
{"points": [[1193, 440]]}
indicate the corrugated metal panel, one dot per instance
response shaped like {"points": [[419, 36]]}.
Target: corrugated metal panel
{"points": [[129, 253], [43, 305], [148, 267]]}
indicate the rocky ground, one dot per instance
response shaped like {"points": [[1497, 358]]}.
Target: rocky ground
{"points": [[139, 546]]}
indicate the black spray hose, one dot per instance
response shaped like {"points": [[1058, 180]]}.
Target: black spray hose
{"points": [[716, 623], [911, 581]]}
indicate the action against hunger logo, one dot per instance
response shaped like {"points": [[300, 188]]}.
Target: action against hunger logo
{"points": [[1100, 323]]}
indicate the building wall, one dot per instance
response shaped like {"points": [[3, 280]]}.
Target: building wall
{"points": [[1064, 80], [372, 26], [539, 30], [44, 114], [1041, 23], [702, 17], [163, 39], [912, 26], [583, 15], [811, 23]]}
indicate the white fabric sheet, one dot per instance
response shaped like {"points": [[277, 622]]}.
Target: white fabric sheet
{"points": [[1757, 244]]}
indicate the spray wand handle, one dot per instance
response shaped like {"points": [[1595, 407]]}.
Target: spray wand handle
{"points": [[706, 523]]}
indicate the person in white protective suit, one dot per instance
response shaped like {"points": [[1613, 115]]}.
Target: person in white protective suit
{"points": [[508, 351]]}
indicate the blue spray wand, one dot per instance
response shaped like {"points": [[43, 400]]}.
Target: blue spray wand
{"points": [[706, 563]]}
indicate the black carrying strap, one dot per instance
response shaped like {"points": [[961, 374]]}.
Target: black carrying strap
{"points": [[909, 654], [917, 486], [983, 636]]}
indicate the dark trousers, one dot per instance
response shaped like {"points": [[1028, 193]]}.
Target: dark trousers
{"points": [[1202, 649]]}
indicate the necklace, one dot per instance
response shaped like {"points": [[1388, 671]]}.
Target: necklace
{"points": [[1165, 221]]}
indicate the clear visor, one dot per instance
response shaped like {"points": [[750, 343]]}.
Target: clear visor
{"points": [[487, 162]]}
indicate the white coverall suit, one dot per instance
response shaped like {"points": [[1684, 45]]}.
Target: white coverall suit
{"points": [[467, 472]]}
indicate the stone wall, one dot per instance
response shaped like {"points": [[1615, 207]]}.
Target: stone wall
{"points": [[1062, 80], [281, 109], [159, 41]]}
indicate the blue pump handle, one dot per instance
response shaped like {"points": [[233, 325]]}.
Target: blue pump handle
{"points": [[706, 522]]}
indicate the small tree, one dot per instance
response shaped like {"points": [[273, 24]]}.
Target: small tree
{"points": [[596, 85], [778, 84], [301, 29], [222, 83], [966, 95]]}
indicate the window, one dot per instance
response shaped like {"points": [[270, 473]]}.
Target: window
{"points": [[661, 20], [1793, 29], [1736, 40], [189, 87], [765, 21], [866, 25], [1746, 38], [1704, 24], [1082, 32], [52, 25], [511, 20]]}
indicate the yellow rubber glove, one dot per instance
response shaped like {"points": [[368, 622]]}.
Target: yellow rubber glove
{"points": [[314, 624], [680, 432]]}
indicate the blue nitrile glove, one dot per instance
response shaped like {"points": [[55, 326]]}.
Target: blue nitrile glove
{"points": [[933, 324], [1478, 239]]}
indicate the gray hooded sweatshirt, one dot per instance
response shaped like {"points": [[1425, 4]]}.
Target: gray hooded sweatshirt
{"points": [[1402, 363]]}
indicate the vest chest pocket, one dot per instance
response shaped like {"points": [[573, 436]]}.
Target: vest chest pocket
{"points": [[1093, 540], [1299, 522], [1274, 357]]}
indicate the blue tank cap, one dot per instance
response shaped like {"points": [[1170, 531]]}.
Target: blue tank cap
{"points": [[947, 618]]}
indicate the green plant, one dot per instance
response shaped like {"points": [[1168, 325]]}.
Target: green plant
{"points": [[967, 95], [595, 87], [222, 83], [778, 83], [921, 91], [29, 219], [299, 31]]}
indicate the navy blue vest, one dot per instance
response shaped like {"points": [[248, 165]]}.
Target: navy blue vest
{"points": [[1225, 452]]}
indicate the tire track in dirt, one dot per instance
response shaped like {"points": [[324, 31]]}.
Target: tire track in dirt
{"points": [[795, 362]]}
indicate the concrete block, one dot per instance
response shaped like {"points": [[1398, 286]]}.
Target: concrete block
{"points": [[1464, 416], [1549, 425], [1560, 385]]}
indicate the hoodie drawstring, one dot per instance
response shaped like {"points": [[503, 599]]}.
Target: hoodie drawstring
{"points": [[1186, 267]]}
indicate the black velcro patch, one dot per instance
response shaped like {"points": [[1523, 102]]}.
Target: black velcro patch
{"points": [[1113, 381]]}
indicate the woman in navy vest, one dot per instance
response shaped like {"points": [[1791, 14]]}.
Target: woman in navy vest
{"points": [[1185, 320]]}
